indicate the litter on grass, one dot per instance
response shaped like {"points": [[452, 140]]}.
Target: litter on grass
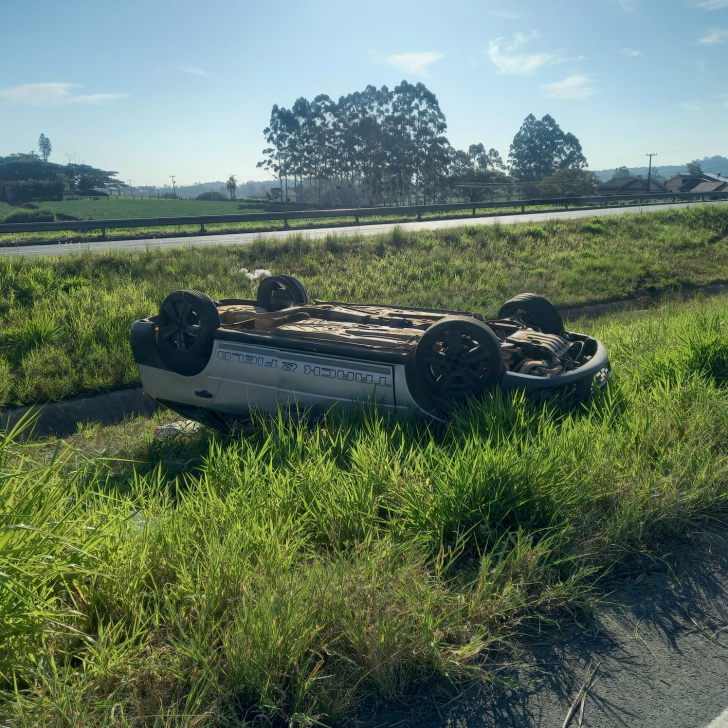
{"points": [[175, 429]]}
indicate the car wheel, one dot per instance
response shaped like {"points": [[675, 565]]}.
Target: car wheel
{"points": [[458, 358], [534, 311], [186, 331], [279, 292]]}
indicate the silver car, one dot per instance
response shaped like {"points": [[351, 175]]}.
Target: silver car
{"points": [[217, 361]]}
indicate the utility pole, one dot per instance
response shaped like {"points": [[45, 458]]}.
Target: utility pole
{"points": [[174, 193], [131, 189], [649, 170]]}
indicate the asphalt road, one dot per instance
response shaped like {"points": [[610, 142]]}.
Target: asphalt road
{"points": [[658, 653], [246, 238]]}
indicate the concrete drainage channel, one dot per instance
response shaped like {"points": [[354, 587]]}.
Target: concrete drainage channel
{"points": [[61, 419]]}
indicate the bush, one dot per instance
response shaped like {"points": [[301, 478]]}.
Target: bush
{"points": [[37, 189], [213, 196], [36, 215]]}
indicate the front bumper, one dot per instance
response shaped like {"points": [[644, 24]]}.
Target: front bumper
{"points": [[578, 382]]}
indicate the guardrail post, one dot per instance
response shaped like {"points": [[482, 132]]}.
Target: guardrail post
{"points": [[523, 208], [103, 233], [285, 222], [419, 216], [356, 217], [202, 227], [473, 212], [566, 206]]}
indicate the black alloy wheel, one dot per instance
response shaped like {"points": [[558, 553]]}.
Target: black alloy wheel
{"points": [[458, 358], [187, 324], [278, 292], [534, 311]]}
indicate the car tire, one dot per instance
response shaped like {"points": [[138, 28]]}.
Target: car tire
{"points": [[535, 311], [457, 359], [278, 292], [186, 331]]}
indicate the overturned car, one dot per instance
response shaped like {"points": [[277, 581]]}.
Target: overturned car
{"points": [[216, 361]]}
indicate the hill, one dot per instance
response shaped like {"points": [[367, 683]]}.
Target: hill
{"points": [[714, 165]]}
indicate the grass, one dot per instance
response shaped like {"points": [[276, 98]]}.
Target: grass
{"points": [[64, 321], [116, 208], [304, 570]]}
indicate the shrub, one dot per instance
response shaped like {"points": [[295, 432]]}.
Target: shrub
{"points": [[38, 189], [213, 196], [22, 215]]}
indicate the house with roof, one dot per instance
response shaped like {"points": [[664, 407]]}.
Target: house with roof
{"points": [[702, 183], [630, 186]]}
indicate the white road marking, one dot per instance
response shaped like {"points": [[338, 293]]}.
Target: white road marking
{"points": [[720, 722], [353, 230]]}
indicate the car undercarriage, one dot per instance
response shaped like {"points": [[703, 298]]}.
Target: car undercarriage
{"points": [[231, 357]]}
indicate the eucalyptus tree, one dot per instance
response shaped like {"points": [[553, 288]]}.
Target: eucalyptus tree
{"points": [[541, 148], [377, 144], [45, 147], [278, 155]]}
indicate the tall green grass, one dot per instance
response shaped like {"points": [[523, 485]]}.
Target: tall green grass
{"points": [[64, 321], [286, 576]]}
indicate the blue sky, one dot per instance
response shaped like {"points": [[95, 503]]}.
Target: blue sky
{"points": [[155, 88]]}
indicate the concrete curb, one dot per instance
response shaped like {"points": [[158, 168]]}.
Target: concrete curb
{"points": [[62, 418]]}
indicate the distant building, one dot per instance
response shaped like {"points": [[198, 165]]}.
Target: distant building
{"points": [[630, 186], [278, 194], [699, 183]]}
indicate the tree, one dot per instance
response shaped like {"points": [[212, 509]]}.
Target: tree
{"points": [[694, 167], [231, 185], [27, 166], [78, 176], [83, 177], [569, 183], [44, 146], [621, 173], [541, 148], [476, 185]]}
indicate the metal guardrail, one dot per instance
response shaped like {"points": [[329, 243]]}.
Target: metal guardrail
{"points": [[355, 213]]}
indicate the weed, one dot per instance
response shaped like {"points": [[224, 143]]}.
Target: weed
{"points": [[288, 575]]}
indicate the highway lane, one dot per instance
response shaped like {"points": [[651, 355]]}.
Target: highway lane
{"points": [[354, 230]]}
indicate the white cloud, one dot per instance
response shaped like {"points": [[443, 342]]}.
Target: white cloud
{"points": [[193, 71], [577, 86], [415, 63], [717, 35], [712, 4], [631, 52], [511, 63], [49, 94], [689, 106]]}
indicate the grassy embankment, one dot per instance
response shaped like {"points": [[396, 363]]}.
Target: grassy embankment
{"points": [[291, 574], [116, 208], [64, 322]]}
